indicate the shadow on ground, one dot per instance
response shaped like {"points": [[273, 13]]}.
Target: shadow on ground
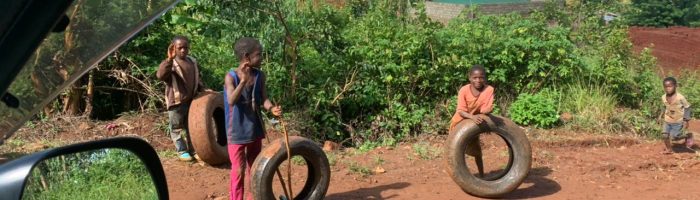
{"points": [[369, 193]]}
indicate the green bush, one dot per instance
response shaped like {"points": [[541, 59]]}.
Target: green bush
{"points": [[664, 13], [534, 110], [372, 73], [689, 86]]}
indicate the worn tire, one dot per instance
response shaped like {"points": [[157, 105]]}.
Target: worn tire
{"points": [[207, 128], [516, 170], [269, 160]]}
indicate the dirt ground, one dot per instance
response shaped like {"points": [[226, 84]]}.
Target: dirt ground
{"points": [[674, 47], [565, 165], [575, 168]]}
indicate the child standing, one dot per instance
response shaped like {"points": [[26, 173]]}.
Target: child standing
{"points": [[180, 73], [245, 92], [473, 99], [676, 115]]}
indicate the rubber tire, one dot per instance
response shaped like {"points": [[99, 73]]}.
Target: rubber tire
{"points": [[516, 170], [207, 128], [269, 160]]}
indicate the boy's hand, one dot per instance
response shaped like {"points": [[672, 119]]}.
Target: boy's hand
{"points": [[171, 52], [276, 111], [477, 119], [244, 72], [685, 125]]}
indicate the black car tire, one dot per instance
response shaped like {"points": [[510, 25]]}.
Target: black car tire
{"points": [[519, 164], [269, 160]]}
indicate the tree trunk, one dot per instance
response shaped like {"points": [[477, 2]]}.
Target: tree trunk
{"points": [[90, 93], [71, 102]]}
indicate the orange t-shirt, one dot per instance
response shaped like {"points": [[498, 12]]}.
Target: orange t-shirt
{"points": [[467, 102]]}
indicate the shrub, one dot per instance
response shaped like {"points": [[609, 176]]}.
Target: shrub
{"points": [[534, 110], [663, 13]]}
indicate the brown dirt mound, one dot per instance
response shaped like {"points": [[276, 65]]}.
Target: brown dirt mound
{"points": [[675, 48]]}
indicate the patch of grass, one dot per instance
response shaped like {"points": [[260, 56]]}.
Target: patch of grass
{"points": [[504, 153], [167, 153], [52, 143], [162, 125], [425, 151], [16, 143], [370, 145], [367, 146], [378, 160], [358, 169], [101, 174], [298, 160], [30, 124], [592, 107], [332, 158]]}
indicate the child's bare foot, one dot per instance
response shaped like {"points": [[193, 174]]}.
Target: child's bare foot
{"points": [[666, 152]]}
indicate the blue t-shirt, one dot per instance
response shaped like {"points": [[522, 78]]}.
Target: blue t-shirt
{"points": [[243, 122]]}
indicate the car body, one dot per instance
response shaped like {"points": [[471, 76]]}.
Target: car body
{"points": [[39, 59]]}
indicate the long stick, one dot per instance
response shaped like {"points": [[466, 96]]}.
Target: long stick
{"points": [[289, 158], [279, 175]]}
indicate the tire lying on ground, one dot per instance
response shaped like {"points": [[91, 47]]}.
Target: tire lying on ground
{"points": [[207, 128], [269, 160], [516, 170]]}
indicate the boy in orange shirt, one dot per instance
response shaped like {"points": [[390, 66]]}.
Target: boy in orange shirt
{"points": [[474, 99]]}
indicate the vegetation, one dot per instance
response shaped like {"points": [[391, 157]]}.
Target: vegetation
{"points": [[103, 174], [664, 13], [425, 151], [369, 73], [534, 110]]}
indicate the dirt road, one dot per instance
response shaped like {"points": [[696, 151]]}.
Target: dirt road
{"points": [[575, 167], [565, 165]]}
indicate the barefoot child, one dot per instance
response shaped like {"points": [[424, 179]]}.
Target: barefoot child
{"points": [[676, 115], [473, 99], [245, 92]]}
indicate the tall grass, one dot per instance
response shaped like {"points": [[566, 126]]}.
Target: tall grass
{"points": [[689, 86], [102, 174], [592, 107]]}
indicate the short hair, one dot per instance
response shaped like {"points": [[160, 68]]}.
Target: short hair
{"points": [[671, 79], [477, 68], [179, 37], [246, 45]]}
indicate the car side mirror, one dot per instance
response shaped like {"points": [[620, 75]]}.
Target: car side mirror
{"points": [[117, 168]]}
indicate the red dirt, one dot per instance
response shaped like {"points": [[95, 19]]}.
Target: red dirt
{"points": [[572, 172], [675, 47], [565, 166]]}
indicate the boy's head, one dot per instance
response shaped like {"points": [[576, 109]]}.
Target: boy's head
{"points": [[181, 46], [670, 85], [248, 50], [477, 76]]}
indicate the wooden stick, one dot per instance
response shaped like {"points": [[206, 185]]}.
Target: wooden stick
{"points": [[289, 158]]}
